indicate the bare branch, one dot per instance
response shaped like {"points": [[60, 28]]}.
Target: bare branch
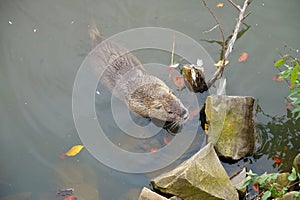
{"points": [[231, 42]]}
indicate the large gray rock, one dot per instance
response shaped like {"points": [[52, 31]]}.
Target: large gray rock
{"points": [[200, 177], [231, 127]]}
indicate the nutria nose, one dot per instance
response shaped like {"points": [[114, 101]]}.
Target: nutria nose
{"points": [[185, 114]]}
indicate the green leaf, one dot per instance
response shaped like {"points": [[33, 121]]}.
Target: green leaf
{"points": [[297, 195], [247, 181], [266, 195], [279, 62], [298, 116], [295, 74], [273, 176], [286, 73], [293, 176], [263, 179]]}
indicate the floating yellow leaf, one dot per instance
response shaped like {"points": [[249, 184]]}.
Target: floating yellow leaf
{"points": [[220, 5], [74, 150], [218, 64]]}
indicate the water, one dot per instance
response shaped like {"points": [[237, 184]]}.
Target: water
{"points": [[43, 43]]}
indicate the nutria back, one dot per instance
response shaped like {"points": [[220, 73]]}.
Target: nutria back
{"points": [[122, 73]]}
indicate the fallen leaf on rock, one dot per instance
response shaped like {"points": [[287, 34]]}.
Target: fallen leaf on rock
{"points": [[220, 5], [178, 81], [153, 150], [277, 77], [243, 57], [74, 150], [206, 127], [277, 160]]}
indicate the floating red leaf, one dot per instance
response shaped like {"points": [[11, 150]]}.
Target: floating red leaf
{"points": [[243, 57], [166, 140], [277, 77], [277, 160], [171, 70], [70, 198], [178, 81], [62, 156], [256, 187], [153, 150], [291, 86], [289, 106], [193, 113]]}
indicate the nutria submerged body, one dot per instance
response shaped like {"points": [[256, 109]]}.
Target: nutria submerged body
{"points": [[122, 73]]}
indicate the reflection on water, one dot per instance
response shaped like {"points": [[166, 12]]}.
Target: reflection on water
{"points": [[281, 139], [42, 44]]}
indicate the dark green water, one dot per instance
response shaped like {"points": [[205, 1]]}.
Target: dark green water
{"points": [[43, 43]]}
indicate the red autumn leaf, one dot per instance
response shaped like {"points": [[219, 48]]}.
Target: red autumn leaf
{"points": [[277, 160], [289, 106], [193, 113], [291, 86], [153, 150], [70, 198], [178, 81], [166, 140], [62, 156], [256, 187], [171, 70], [277, 77], [243, 57]]}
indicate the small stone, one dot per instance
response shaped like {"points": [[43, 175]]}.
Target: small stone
{"points": [[147, 194]]}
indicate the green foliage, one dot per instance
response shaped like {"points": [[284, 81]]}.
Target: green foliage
{"points": [[267, 184], [290, 70]]}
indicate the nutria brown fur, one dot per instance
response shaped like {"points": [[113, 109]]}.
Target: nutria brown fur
{"points": [[122, 73]]}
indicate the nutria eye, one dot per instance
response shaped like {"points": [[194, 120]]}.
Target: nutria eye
{"points": [[158, 106]]}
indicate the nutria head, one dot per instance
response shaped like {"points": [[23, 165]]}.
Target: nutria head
{"points": [[155, 100]]}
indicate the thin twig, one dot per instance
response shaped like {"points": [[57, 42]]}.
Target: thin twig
{"points": [[235, 5], [220, 70], [213, 28]]}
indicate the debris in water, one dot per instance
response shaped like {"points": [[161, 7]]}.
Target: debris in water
{"points": [[64, 192]]}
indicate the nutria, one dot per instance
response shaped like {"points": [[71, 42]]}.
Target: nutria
{"points": [[122, 73]]}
